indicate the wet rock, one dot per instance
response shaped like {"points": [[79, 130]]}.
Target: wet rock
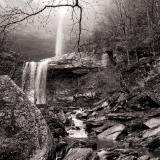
{"points": [[106, 125], [103, 155], [137, 125], [56, 126], [154, 143], [154, 122], [60, 150], [112, 133], [81, 116], [121, 116], [88, 143], [61, 116], [123, 97], [144, 157], [90, 124], [98, 108], [142, 102], [79, 154], [23, 133], [125, 157], [154, 158], [151, 132]]}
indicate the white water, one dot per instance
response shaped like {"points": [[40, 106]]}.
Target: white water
{"points": [[80, 133], [40, 81], [33, 66], [28, 80], [34, 81], [37, 71], [60, 34]]}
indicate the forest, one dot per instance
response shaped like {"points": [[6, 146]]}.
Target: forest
{"points": [[79, 80]]}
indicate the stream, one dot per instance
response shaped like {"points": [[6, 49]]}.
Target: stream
{"points": [[78, 130]]}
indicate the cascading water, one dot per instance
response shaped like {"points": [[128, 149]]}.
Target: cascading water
{"points": [[34, 81], [40, 82], [80, 133], [35, 73], [28, 80]]}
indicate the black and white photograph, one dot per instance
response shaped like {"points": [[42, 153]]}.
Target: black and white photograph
{"points": [[79, 79]]}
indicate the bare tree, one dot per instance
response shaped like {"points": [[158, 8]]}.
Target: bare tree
{"points": [[11, 17]]}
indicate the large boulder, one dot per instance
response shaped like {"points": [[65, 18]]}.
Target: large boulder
{"points": [[24, 134]]}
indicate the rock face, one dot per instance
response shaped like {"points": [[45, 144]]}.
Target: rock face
{"points": [[151, 132], [79, 154], [23, 133], [76, 79], [154, 122], [64, 77], [112, 133]]}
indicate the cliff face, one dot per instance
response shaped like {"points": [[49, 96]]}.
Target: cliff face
{"points": [[78, 78]]}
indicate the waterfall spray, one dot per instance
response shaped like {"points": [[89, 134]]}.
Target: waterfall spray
{"points": [[28, 79], [40, 82], [60, 36], [36, 72]]}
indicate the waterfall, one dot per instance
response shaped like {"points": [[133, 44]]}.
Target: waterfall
{"points": [[33, 66], [40, 82], [24, 74], [34, 81], [28, 80], [59, 38], [35, 73]]}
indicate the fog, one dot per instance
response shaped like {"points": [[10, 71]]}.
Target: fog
{"points": [[42, 28], [46, 22]]}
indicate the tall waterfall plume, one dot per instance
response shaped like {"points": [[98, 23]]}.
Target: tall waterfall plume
{"points": [[35, 73], [40, 82], [60, 35]]}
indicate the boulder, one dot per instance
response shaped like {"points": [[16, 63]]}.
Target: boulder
{"points": [[24, 134], [121, 116], [154, 143], [151, 132], [97, 122], [79, 154], [144, 157], [153, 122], [103, 155], [143, 101], [56, 126], [112, 133], [61, 116], [81, 115], [137, 125]]}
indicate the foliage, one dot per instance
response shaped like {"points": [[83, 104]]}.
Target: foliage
{"points": [[131, 26]]}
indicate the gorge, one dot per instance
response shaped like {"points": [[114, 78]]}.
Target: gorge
{"points": [[101, 103]]}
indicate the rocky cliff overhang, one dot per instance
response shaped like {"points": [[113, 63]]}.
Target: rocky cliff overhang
{"points": [[73, 63]]}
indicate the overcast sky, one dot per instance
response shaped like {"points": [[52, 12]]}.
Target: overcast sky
{"points": [[92, 13]]}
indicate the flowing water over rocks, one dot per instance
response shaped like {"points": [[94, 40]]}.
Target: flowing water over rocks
{"points": [[121, 126], [78, 130], [34, 80]]}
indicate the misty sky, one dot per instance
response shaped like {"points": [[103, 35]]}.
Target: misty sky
{"points": [[47, 28]]}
